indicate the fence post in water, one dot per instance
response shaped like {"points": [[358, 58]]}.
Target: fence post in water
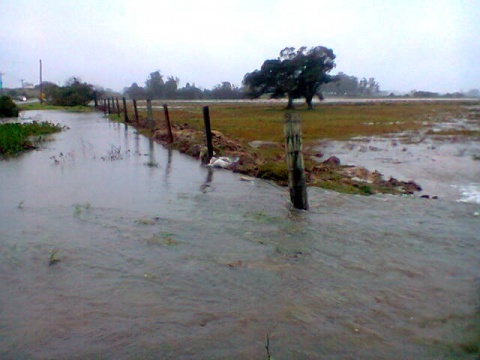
{"points": [[108, 106], [169, 126], [208, 133], [297, 182], [125, 113], [118, 107], [135, 111], [105, 110], [150, 122]]}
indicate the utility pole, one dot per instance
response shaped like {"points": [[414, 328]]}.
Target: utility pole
{"points": [[41, 87]]}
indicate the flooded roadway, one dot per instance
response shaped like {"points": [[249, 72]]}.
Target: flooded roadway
{"points": [[163, 258]]}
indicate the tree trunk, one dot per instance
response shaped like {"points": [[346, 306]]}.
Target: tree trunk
{"points": [[309, 103], [290, 103]]}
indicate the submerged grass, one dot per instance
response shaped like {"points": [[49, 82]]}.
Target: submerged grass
{"points": [[16, 137]]}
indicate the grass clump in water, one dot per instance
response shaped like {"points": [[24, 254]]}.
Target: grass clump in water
{"points": [[53, 257], [78, 208], [16, 137]]}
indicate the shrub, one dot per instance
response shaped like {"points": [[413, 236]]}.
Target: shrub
{"points": [[73, 94], [8, 107]]}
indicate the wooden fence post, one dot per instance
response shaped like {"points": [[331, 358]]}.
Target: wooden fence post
{"points": [[169, 126], [297, 182], [95, 99], [137, 120], [125, 113], [109, 109], [118, 108], [150, 123], [105, 110], [208, 133]]}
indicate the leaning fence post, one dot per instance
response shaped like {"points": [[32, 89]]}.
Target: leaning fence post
{"points": [[136, 111], [169, 126], [125, 113], [208, 133], [297, 182], [150, 123]]}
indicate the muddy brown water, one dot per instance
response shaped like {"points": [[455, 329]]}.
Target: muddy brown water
{"points": [[161, 258]]}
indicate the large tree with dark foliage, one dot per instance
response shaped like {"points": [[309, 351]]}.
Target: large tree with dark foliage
{"points": [[155, 86], [295, 74]]}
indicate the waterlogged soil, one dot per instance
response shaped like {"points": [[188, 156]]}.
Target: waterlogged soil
{"points": [[160, 257]]}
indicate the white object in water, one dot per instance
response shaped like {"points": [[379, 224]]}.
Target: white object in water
{"points": [[221, 162]]}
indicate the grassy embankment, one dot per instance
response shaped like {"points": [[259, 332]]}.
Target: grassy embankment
{"points": [[236, 125], [38, 106], [17, 137]]}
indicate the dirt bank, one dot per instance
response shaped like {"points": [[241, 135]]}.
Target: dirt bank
{"points": [[330, 173]]}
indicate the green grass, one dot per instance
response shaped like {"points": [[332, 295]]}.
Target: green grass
{"points": [[38, 106], [16, 137]]}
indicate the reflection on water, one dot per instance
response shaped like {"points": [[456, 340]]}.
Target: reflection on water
{"points": [[180, 261]]}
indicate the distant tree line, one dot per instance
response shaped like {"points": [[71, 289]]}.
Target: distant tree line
{"points": [[158, 88], [347, 85]]}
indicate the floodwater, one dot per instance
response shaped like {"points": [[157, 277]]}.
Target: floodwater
{"points": [[161, 258], [445, 166]]}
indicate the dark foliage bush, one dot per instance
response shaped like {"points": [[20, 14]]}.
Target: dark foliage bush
{"points": [[73, 94], [8, 107]]}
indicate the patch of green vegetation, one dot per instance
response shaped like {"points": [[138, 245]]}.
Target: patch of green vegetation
{"points": [[53, 259], [276, 171], [345, 188], [165, 239], [366, 189], [16, 137], [38, 106], [78, 208]]}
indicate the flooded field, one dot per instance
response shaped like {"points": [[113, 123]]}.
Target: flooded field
{"points": [[446, 166], [162, 258]]}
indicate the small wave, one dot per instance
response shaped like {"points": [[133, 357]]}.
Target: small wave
{"points": [[470, 193]]}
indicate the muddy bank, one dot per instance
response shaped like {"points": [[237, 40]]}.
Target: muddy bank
{"points": [[330, 173]]}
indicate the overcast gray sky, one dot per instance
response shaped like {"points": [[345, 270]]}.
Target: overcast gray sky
{"points": [[405, 44]]}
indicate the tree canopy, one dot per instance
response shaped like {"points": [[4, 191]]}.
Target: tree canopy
{"points": [[295, 74], [72, 94]]}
